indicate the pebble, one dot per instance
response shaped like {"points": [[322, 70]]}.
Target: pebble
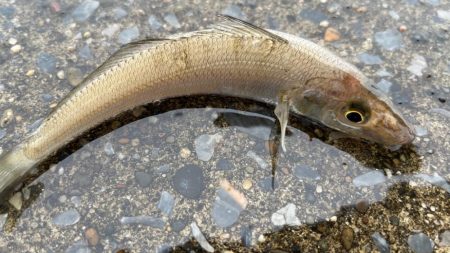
{"points": [[390, 39], [420, 131], [16, 48], [76, 200], [369, 179], [166, 203], [78, 247], [143, 220], [246, 236], [259, 160], [234, 11], [381, 243], [92, 236], [440, 111], [303, 172], [247, 184], [2, 133], [324, 23], [205, 144], [444, 15], [74, 76], [61, 75], [46, 62], [286, 216], [347, 236], [7, 11], [362, 205], [128, 34], [394, 15], [223, 164], [12, 41], [185, 152], [16, 201], [225, 210], [331, 35], [108, 148], [198, 235], [172, 20], [384, 86], [143, 179], [83, 11], [178, 224], [7, 117], [3, 218], [418, 63], [402, 28], [420, 243], [189, 181], [369, 59], [154, 23], [67, 218], [444, 238], [119, 13], [383, 73], [110, 30], [85, 52], [431, 2]]}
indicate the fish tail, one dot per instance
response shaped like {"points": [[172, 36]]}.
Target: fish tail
{"points": [[13, 166]]}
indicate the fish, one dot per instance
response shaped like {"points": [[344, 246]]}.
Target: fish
{"points": [[232, 58]]}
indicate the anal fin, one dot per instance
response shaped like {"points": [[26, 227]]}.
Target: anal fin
{"points": [[282, 113]]}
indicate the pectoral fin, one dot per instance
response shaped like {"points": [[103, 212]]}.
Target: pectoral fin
{"points": [[282, 113]]}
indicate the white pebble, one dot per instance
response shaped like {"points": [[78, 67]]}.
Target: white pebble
{"points": [[16, 49], [12, 41], [61, 75], [324, 23]]}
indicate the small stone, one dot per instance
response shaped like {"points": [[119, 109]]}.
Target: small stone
{"points": [[143, 179], [331, 35], [362, 205], [362, 9], [74, 76], [402, 28], [384, 86], [172, 20], [390, 39], [226, 209], [418, 63], [370, 59], [189, 181], [381, 243], [46, 62], [286, 216], [7, 11], [369, 179], [61, 75], [420, 243], [62, 198], [79, 247], [247, 184], [109, 150], [16, 48], [119, 13], [198, 235], [154, 23], [185, 153], [260, 161], [223, 164], [347, 236], [444, 238], [324, 23], [110, 30], [83, 11], [179, 224], [143, 220], [319, 189], [394, 15], [3, 218], [12, 41], [129, 34], [234, 11], [304, 172], [92, 236], [16, 201], [166, 203], [440, 111], [205, 144], [7, 117], [85, 52], [444, 15], [66, 218], [420, 131], [30, 72]]}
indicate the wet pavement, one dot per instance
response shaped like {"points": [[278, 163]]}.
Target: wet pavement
{"points": [[206, 172]]}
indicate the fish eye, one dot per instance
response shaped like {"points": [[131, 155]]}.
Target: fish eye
{"points": [[354, 116]]}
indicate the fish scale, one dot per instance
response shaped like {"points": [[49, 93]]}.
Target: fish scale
{"points": [[233, 58]]}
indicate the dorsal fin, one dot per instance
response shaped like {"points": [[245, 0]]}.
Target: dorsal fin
{"points": [[235, 26]]}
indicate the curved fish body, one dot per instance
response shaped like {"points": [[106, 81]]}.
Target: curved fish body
{"points": [[231, 58]]}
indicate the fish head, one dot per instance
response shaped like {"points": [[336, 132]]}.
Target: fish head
{"points": [[354, 107]]}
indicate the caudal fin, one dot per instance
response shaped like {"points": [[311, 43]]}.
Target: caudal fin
{"points": [[13, 166]]}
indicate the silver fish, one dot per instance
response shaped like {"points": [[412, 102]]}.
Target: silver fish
{"points": [[232, 58]]}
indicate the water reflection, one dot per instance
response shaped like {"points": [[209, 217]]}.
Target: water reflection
{"points": [[143, 184]]}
